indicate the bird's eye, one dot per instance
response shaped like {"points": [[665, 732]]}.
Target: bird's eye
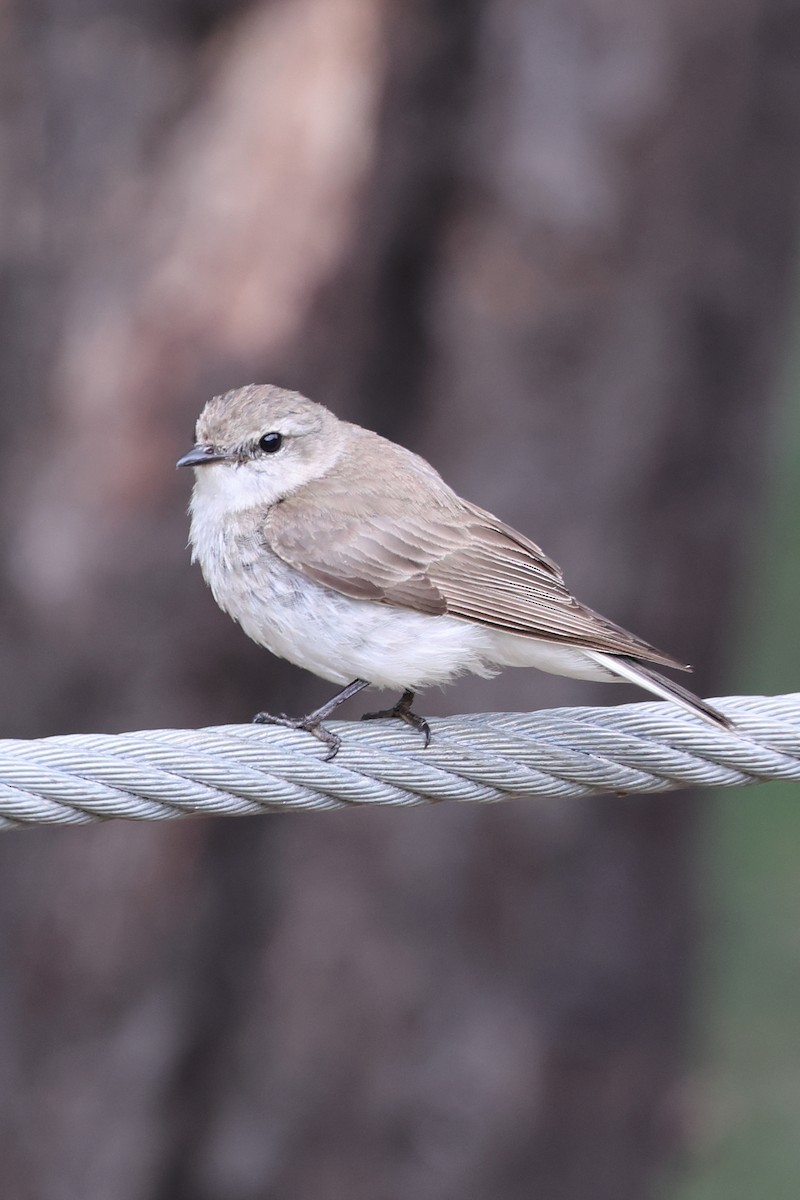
{"points": [[270, 443]]}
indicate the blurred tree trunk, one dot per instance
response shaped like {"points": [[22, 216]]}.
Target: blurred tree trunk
{"points": [[547, 243]]}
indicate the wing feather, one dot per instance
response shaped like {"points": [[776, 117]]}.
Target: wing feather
{"points": [[402, 537]]}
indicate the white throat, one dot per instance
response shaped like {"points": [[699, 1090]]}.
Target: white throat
{"points": [[221, 490], [231, 487]]}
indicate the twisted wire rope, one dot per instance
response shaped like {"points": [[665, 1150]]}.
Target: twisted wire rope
{"points": [[239, 770]]}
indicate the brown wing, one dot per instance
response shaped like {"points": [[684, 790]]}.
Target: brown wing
{"points": [[402, 537]]}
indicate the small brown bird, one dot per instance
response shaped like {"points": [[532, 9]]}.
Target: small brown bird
{"points": [[350, 556]]}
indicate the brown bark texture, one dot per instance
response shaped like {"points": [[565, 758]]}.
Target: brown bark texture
{"points": [[546, 243]]}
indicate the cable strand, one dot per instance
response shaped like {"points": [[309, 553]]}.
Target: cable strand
{"points": [[484, 758]]}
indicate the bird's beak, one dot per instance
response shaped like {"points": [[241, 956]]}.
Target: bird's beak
{"points": [[200, 454]]}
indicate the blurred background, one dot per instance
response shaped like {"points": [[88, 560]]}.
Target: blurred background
{"points": [[551, 245]]}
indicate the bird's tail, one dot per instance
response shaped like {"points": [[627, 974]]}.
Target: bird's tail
{"points": [[645, 677]]}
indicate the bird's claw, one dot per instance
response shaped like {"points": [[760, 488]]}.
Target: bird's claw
{"points": [[315, 728], [402, 712]]}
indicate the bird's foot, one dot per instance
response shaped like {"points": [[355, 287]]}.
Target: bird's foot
{"points": [[310, 724], [313, 722], [402, 712]]}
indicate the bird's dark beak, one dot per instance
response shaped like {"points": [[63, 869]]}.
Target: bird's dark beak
{"points": [[200, 454]]}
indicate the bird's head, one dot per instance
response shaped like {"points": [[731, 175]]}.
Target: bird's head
{"points": [[258, 444]]}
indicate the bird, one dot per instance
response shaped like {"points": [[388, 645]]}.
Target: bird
{"points": [[350, 556]]}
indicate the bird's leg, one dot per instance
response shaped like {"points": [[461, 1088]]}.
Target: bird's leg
{"points": [[313, 722], [402, 711]]}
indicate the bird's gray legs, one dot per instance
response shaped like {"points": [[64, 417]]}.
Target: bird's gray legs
{"points": [[313, 722], [402, 711]]}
